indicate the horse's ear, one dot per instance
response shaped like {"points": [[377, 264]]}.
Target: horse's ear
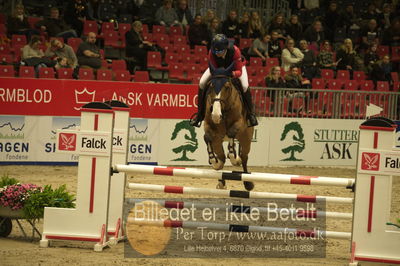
{"points": [[211, 67]]}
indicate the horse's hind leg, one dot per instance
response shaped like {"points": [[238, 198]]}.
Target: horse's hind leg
{"points": [[245, 144]]}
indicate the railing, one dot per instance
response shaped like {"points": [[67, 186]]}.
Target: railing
{"points": [[266, 9], [313, 103]]}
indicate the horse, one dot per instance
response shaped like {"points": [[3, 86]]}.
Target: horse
{"points": [[225, 119]]}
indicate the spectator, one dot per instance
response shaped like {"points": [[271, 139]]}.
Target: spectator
{"points": [[315, 34], [260, 47], [18, 23], [371, 57], [137, 47], [370, 13], [311, 4], [230, 27], [59, 50], [294, 79], [325, 57], [347, 18], [244, 25], [308, 65], [331, 20], [256, 29], [346, 56], [198, 33], [278, 24], [146, 10], [274, 80], [55, 26], [385, 18], [381, 70], [294, 30], [275, 45], [214, 28], [291, 56], [166, 15], [76, 12], [369, 34], [391, 36], [296, 6], [88, 53], [184, 15], [209, 17], [32, 55]]}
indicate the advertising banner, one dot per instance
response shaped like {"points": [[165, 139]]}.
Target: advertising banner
{"points": [[326, 142], [53, 97]]}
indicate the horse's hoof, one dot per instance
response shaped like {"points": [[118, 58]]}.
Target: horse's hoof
{"points": [[221, 185], [235, 161], [218, 165], [249, 186]]}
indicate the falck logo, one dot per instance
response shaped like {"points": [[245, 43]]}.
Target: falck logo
{"points": [[370, 161], [67, 142]]}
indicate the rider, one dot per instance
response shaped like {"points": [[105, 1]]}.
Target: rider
{"points": [[222, 54]]}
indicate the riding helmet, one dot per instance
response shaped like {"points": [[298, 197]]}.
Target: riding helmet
{"points": [[219, 44]]}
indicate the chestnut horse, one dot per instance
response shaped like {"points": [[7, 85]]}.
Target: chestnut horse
{"points": [[225, 118]]}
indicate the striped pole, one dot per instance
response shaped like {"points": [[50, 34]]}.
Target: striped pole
{"points": [[241, 228], [237, 193], [238, 176], [299, 213]]}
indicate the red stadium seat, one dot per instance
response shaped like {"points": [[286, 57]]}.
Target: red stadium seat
{"points": [[86, 74], [74, 43], [343, 74], [179, 40], [18, 40], [159, 29], [32, 21], [104, 74], [182, 49], [141, 76], [107, 26], [335, 84], [272, 61], [351, 85], [359, 75], [161, 39], [90, 26], [27, 72], [383, 50], [245, 43], [122, 75], [175, 71], [118, 65], [5, 49], [255, 61], [171, 57], [46, 73], [192, 70], [7, 71], [65, 73], [318, 84], [175, 30], [367, 85], [6, 59], [200, 50], [395, 76], [123, 28], [154, 59], [382, 86], [327, 74]]}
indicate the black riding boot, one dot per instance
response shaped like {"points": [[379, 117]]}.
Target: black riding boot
{"points": [[249, 106], [196, 122]]}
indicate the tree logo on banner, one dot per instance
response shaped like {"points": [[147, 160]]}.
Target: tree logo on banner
{"points": [[294, 138], [185, 137]]}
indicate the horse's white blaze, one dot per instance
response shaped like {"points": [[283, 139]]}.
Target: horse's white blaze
{"points": [[216, 114]]}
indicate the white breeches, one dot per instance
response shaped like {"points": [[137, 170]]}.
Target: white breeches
{"points": [[207, 75]]}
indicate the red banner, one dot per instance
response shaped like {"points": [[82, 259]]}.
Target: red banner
{"points": [[53, 97]]}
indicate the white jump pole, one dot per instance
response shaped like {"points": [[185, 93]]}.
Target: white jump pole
{"points": [[240, 228], [238, 176], [245, 208], [237, 193]]}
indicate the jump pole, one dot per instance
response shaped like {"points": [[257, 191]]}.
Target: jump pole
{"points": [[239, 228], [237, 193], [245, 208], [238, 176]]}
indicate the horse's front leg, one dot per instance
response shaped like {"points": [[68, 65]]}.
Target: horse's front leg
{"points": [[216, 156], [233, 155]]}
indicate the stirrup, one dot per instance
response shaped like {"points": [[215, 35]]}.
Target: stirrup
{"points": [[194, 120], [252, 120]]}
